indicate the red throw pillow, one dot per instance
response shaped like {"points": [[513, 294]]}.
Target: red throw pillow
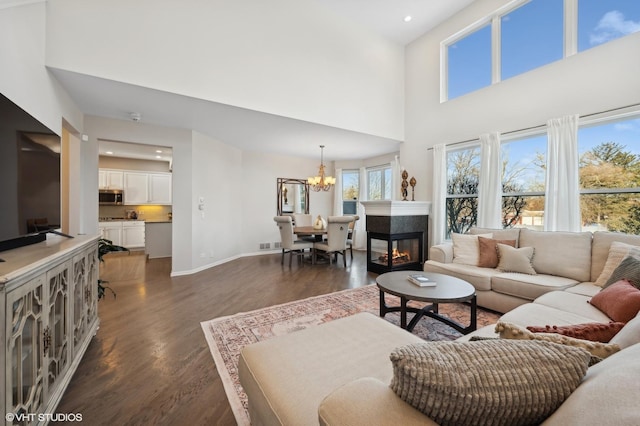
{"points": [[594, 331], [488, 257], [620, 301]]}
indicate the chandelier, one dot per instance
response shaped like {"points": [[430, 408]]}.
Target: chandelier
{"points": [[321, 182]]}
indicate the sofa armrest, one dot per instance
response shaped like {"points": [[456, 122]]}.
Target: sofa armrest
{"points": [[442, 253], [368, 401]]}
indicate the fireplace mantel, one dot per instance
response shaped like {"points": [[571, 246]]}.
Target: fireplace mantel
{"points": [[396, 208]]}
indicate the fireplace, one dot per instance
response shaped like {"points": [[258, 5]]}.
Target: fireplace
{"points": [[396, 235]]}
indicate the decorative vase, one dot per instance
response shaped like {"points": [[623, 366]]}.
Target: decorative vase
{"points": [[319, 223]]}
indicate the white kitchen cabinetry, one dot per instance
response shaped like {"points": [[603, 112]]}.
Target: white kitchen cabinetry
{"points": [[147, 188], [111, 231], [133, 234], [48, 299], [136, 188], [110, 179], [160, 188]]}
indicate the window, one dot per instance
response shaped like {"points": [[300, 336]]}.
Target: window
{"points": [[610, 176], [350, 191], [602, 21], [469, 63], [379, 183], [523, 182], [527, 35], [463, 175], [531, 36]]}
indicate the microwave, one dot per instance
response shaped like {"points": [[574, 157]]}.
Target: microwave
{"points": [[110, 197]]}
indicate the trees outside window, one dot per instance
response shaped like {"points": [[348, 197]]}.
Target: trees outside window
{"points": [[463, 175], [350, 191], [379, 183]]}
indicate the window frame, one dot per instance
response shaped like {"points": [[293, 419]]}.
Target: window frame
{"points": [[380, 168]]}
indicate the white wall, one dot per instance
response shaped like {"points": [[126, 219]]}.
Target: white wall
{"points": [[598, 79], [292, 58]]}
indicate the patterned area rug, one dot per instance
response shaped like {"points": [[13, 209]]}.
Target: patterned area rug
{"points": [[226, 336]]}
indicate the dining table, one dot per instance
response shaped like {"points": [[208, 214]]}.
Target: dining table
{"points": [[307, 231]]}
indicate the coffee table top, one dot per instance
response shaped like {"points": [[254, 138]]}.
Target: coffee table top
{"points": [[448, 289]]}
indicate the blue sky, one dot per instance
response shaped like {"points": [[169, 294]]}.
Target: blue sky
{"points": [[533, 36]]}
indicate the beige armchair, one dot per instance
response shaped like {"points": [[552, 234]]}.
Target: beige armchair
{"points": [[289, 244], [337, 231]]}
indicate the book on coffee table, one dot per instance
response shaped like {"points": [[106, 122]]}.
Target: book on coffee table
{"points": [[421, 280]]}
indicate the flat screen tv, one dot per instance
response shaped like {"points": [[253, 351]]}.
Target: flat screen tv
{"points": [[29, 177]]}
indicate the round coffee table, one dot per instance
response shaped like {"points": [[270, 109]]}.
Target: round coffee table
{"points": [[448, 289]]}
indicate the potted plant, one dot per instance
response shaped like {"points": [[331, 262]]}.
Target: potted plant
{"points": [[106, 246]]}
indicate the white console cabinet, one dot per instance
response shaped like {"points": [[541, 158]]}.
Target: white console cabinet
{"points": [[49, 306]]}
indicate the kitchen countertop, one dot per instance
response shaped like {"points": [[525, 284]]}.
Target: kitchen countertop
{"points": [[157, 221]]}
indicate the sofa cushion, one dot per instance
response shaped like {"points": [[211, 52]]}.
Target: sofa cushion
{"points": [[528, 286], [536, 313], [608, 394], [565, 254], [585, 289], [466, 249], [600, 249], [480, 278], [489, 251], [628, 269], [620, 301], [500, 234], [594, 331], [572, 303], [617, 252], [515, 259], [596, 349], [457, 383], [629, 335]]}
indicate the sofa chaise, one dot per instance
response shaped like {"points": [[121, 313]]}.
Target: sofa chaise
{"points": [[339, 373]]}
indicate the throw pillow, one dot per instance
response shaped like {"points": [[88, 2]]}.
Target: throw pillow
{"points": [[628, 269], [617, 252], [629, 335], [620, 301], [488, 257], [594, 331], [458, 383], [512, 259], [511, 331], [465, 248]]}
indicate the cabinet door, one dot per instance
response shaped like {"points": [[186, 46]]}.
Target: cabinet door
{"points": [[115, 179], [113, 233], [84, 297], [160, 188], [136, 188], [25, 317], [102, 179], [57, 345], [133, 235]]}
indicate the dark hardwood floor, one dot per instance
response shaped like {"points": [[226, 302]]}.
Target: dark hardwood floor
{"points": [[149, 362]]}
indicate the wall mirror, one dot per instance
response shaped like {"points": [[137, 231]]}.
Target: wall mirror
{"points": [[292, 196]]}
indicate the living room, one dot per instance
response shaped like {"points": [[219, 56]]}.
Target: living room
{"points": [[372, 89]]}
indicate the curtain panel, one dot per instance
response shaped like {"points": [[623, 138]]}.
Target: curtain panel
{"points": [[490, 185]]}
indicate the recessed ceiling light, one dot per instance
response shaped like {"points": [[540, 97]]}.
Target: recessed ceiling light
{"points": [[158, 151], [157, 156], [407, 18], [109, 152]]}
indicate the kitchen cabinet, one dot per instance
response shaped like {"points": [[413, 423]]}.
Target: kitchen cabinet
{"points": [[160, 188], [110, 179], [48, 295], [158, 239], [111, 231], [147, 188], [136, 188], [133, 234]]}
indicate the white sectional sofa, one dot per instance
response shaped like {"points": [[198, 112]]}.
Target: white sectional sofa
{"points": [[564, 261], [339, 373]]}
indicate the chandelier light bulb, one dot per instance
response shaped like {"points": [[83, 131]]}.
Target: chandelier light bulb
{"points": [[321, 182]]}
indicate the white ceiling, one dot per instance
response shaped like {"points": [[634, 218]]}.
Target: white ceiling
{"points": [[256, 131]]}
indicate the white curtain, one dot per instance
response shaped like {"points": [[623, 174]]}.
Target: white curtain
{"points": [[361, 232], [337, 195], [395, 178], [490, 188], [562, 198], [439, 217]]}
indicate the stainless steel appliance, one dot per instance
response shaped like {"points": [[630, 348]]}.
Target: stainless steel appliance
{"points": [[110, 197]]}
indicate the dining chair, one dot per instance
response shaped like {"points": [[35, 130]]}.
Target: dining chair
{"points": [[336, 243], [300, 219], [351, 236], [288, 243]]}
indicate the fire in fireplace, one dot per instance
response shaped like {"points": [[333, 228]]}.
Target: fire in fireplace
{"points": [[405, 249], [396, 257]]}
